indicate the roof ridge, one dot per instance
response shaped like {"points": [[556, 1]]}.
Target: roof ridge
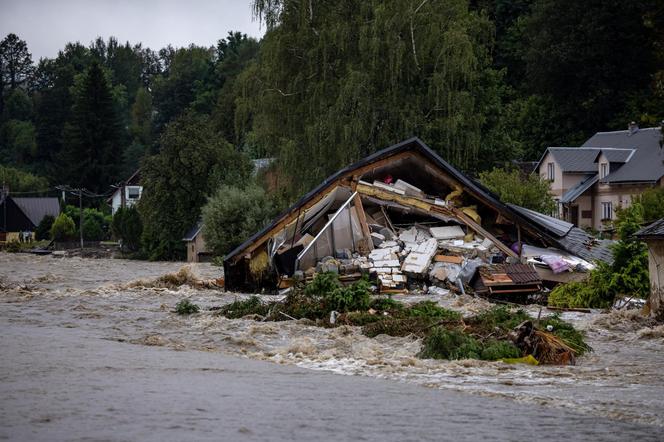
{"points": [[627, 130]]}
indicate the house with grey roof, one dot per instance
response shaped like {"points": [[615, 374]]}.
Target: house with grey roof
{"points": [[591, 181], [24, 214]]}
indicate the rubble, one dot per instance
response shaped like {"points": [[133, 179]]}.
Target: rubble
{"points": [[410, 222]]}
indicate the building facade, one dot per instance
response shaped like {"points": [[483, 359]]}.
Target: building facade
{"points": [[591, 181]]}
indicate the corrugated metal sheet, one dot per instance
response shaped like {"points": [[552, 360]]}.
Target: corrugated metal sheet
{"points": [[553, 225]]}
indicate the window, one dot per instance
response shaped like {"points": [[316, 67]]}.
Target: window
{"points": [[133, 192], [550, 171], [607, 210], [603, 170]]}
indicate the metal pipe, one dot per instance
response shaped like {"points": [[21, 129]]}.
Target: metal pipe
{"points": [[328, 224]]}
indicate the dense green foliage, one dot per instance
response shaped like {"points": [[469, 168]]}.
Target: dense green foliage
{"points": [[627, 276], [19, 181], [96, 224], [128, 227], [192, 162], [515, 187], [43, 230], [233, 214], [652, 201], [63, 228]]}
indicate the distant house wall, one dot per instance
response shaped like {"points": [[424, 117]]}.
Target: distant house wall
{"points": [[195, 248], [557, 183], [132, 195], [619, 195], [656, 263], [585, 204]]}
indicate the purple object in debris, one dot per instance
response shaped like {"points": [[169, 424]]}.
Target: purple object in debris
{"points": [[556, 263]]}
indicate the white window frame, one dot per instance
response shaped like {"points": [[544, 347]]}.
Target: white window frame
{"points": [[607, 210], [603, 170], [551, 171]]}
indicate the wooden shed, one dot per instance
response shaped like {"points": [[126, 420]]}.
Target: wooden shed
{"points": [[653, 235]]}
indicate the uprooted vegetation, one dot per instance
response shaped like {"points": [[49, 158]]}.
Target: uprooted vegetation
{"points": [[184, 276], [500, 333]]}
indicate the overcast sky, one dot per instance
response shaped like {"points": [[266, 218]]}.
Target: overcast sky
{"points": [[47, 25]]}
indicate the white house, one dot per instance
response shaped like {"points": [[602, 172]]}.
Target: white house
{"points": [[127, 194]]}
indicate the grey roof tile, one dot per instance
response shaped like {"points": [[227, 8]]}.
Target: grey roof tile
{"points": [[575, 159], [646, 163], [576, 191], [654, 230], [37, 208]]}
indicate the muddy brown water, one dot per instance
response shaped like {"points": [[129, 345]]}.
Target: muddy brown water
{"points": [[84, 350]]}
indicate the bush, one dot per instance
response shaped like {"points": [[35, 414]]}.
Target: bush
{"points": [[429, 309], [44, 228], [13, 246], [240, 309], [326, 288], [63, 228], [512, 186], [233, 214], [96, 225], [453, 344], [186, 307], [128, 227]]}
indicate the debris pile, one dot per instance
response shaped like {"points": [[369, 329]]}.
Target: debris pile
{"points": [[412, 223]]}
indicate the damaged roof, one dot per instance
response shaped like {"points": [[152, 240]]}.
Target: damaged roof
{"points": [[652, 231], [570, 238], [554, 231]]}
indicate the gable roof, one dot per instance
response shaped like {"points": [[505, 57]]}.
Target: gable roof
{"points": [[37, 208], [574, 159], [614, 155], [555, 231], [193, 232], [654, 230], [646, 163]]}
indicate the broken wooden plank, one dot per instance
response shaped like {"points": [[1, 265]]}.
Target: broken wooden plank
{"points": [[448, 258]]}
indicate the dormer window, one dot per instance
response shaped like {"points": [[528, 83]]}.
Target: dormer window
{"points": [[603, 170], [550, 171]]}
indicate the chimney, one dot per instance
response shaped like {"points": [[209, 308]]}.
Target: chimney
{"points": [[632, 127]]}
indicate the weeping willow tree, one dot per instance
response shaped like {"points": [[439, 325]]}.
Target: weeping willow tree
{"points": [[336, 81]]}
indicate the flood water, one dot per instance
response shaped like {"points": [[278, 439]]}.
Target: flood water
{"points": [[91, 350]]}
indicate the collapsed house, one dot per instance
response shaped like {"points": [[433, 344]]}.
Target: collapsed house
{"points": [[406, 217]]}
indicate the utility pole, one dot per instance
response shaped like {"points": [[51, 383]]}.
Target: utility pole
{"points": [[80, 215]]}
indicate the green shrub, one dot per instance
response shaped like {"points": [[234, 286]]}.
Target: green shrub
{"points": [[128, 227], [453, 344], [386, 304], [361, 318], [355, 297], [499, 317], [13, 246], [450, 344], [390, 326], [494, 350], [44, 228], [322, 284], [186, 307], [63, 228], [429, 309], [233, 214], [240, 309]]}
